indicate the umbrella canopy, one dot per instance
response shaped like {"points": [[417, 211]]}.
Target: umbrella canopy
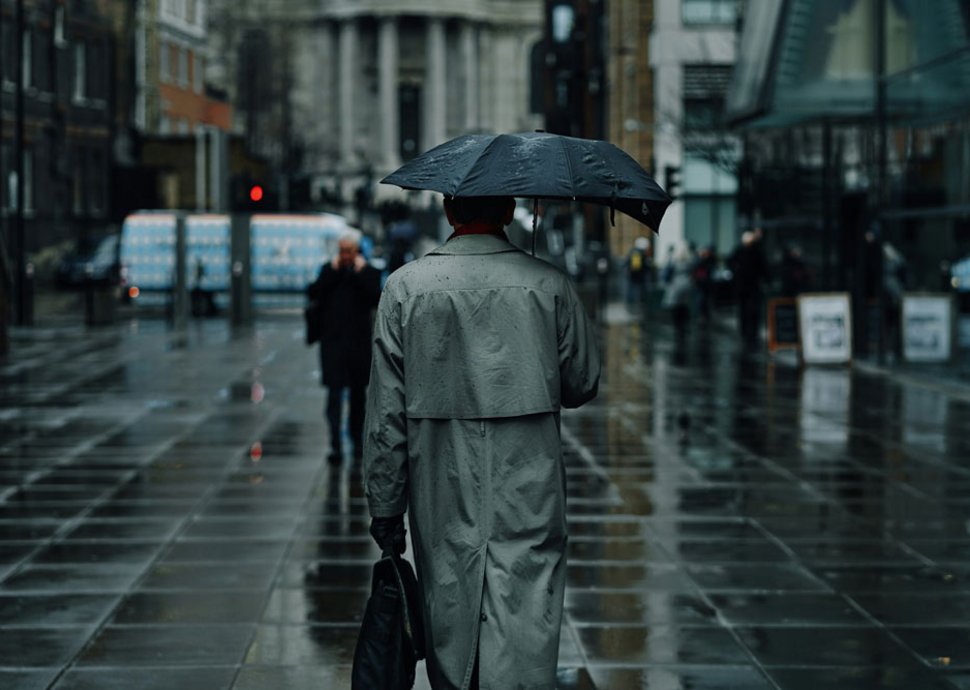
{"points": [[538, 165]]}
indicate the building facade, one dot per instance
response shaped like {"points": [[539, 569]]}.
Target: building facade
{"points": [[692, 53], [171, 44], [64, 84], [631, 97], [339, 93]]}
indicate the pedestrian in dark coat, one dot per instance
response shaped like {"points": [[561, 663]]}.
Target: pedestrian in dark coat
{"points": [[750, 270], [346, 292]]}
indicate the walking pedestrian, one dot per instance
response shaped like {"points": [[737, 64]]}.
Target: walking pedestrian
{"points": [[637, 271], [795, 276], [346, 292], [677, 293], [477, 346], [703, 277], [750, 269]]}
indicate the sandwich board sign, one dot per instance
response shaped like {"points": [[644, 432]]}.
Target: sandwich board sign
{"points": [[825, 326], [927, 327]]}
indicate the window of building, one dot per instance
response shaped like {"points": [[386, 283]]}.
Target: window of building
{"points": [[164, 69], [40, 62], [97, 180], [198, 68], [183, 62], [190, 10], [705, 90], [164, 125], [28, 181], [80, 72], [77, 181], [9, 57], [60, 37], [709, 11], [27, 67], [9, 178]]}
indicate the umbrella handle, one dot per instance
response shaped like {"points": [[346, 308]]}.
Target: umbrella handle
{"points": [[613, 208]]}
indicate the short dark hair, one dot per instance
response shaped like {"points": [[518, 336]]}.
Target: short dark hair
{"points": [[468, 209]]}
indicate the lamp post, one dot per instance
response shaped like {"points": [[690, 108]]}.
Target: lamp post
{"points": [[882, 161]]}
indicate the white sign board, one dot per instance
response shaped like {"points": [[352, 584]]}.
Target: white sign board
{"points": [[927, 328], [825, 320]]}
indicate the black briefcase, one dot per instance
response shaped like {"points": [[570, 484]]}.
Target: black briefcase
{"points": [[391, 637], [314, 323]]}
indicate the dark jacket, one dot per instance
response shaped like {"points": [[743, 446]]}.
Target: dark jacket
{"points": [[750, 269], [346, 300]]}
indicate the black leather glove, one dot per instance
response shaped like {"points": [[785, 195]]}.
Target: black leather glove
{"points": [[389, 533]]}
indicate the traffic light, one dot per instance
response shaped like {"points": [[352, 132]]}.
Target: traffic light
{"points": [[672, 180], [252, 195]]}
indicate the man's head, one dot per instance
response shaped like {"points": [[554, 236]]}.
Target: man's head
{"points": [[348, 247], [491, 210]]}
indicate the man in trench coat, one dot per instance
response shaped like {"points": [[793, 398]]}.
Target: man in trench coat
{"points": [[477, 346]]}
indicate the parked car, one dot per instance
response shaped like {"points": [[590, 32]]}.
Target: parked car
{"points": [[100, 266]]}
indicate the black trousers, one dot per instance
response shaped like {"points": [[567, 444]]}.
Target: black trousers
{"points": [[334, 412], [749, 318]]}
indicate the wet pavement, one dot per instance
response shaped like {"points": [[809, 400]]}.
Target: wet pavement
{"points": [[167, 519]]}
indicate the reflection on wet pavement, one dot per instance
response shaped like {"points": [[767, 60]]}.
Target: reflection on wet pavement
{"points": [[167, 519]]}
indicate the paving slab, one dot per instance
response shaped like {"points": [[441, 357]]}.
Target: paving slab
{"points": [[168, 518]]}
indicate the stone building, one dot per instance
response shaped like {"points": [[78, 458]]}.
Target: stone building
{"points": [[338, 92]]}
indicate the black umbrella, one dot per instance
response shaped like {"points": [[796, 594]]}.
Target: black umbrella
{"points": [[537, 165]]}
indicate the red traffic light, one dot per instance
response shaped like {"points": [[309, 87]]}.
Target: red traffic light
{"points": [[256, 193]]}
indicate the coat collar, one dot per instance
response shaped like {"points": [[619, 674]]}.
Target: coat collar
{"points": [[475, 244]]}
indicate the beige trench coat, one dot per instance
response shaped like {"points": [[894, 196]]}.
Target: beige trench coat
{"points": [[477, 346]]}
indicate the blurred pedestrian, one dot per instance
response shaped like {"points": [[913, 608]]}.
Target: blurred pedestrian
{"points": [[703, 276], [678, 291], [346, 292], [886, 270], [477, 346], [795, 276], [750, 269], [637, 272]]}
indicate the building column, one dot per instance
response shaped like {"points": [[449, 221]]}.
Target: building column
{"points": [[387, 58], [434, 84], [347, 55], [324, 87], [469, 56], [488, 83]]}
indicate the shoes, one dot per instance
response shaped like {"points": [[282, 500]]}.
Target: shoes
{"points": [[335, 459]]}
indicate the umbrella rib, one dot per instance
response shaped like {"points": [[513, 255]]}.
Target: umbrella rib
{"points": [[569, 167]]}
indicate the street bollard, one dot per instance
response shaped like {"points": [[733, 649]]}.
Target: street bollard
{"points": [[240, 303]]}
